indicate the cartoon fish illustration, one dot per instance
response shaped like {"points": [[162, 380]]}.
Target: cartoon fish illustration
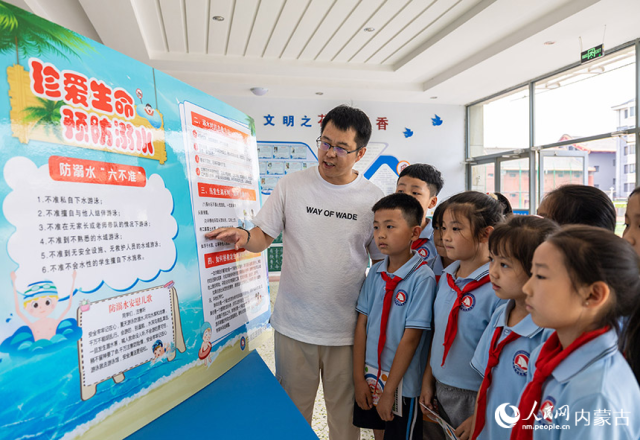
{"points": [[436, 121]]}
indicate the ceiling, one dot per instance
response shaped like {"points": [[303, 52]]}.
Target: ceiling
{"points": [[437, 51]]}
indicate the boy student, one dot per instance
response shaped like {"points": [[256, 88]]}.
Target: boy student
{"points": [[329, 237], [392, 334], [424, 182]]}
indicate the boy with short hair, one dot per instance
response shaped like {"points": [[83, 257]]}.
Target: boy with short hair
{"points": [[392, 334], [424, 182]]}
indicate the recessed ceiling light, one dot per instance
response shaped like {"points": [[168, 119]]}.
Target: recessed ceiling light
{"points": [[319, 93], [218, 18], [549, 43], [434, 97], [369, 29], [259, 91]]}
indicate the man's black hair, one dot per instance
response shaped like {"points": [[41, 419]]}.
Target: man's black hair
{"points": [[345, 117], [409, 206], [428, 174]]}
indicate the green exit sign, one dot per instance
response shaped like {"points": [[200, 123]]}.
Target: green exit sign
{"points": [[592, 54]]}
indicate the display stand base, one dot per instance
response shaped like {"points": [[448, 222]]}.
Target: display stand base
{"points": [[246, 402]]}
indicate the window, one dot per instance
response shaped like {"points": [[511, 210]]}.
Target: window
{"points": [[590, 101], [500, 124], [586, 100]]}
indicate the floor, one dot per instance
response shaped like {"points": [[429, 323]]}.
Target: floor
{"points": [[319, 422]]}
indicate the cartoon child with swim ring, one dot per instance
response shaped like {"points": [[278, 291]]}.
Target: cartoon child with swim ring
{"points": [[39, 301], [205, 348]]}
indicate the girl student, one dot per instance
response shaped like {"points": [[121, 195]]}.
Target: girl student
{"points": [[462, 309], [579, 204], [502, 356], [630, 342], [584, 281], [442, 261]]}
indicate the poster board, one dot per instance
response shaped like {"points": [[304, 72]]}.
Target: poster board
{"points": [[115, 308]]}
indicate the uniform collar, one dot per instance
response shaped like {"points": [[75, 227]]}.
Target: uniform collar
{"points": [[525, 328], [427, 232], [406, 268], [476, 275], [603, 346]]}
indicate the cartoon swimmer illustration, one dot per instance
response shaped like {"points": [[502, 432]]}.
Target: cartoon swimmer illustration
{"points": [[40, 300], [205, 348], [160, 351]]}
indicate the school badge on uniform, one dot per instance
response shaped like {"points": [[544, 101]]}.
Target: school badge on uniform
{"points": [[521, 362], [468, 302], [423, 252], [401, 298]]}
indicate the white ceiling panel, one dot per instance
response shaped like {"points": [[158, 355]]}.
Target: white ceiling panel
{"points": [[287, 23], [307, 27], [244, 14], [268, 13], [429, 17], [173, 18], [198, 20], [352, 26], [377, 21], [147, 14], [404, 18], [337, 15], [219, 30], [457, 50]]}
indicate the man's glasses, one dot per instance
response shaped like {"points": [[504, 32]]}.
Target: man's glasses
{"points": [[325, 146]]}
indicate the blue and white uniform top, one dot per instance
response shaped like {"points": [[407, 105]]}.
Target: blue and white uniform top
{"points": [[593, 391], [509, 377], [428, 250], [475, 314], [412, 307]]}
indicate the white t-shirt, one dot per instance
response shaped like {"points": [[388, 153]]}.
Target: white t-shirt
{"points": [[327, 232]]}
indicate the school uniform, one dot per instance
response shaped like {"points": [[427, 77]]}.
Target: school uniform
{"points": [[509, 377], [456, 382], [593, 391], [411, 307], [426, 247]]}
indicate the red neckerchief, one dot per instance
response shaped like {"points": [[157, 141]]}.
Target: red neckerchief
{"points": [[389, 288], [419, 242], [494, 358], [551, 355], [452, 324]]}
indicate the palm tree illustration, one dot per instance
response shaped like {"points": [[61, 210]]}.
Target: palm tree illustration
{"points": [[31, 35], [46, 115]]}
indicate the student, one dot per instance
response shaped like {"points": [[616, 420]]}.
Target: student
{"points": [[578, 376], [324, 215], [424, 182], [462, 309], [442, 261], [394, 322], [507, 210], [502, 356], [579, 204], [630, 342]]}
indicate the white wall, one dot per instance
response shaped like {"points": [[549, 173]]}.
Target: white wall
{"points": [[441, 146]]}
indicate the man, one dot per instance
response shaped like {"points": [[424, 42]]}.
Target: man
{"points": [[325, 216]]}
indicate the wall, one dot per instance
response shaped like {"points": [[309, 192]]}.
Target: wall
{"points": [[440, 145]]}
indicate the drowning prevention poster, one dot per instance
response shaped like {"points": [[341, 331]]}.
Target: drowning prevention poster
{"points": [[114, 307]]}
